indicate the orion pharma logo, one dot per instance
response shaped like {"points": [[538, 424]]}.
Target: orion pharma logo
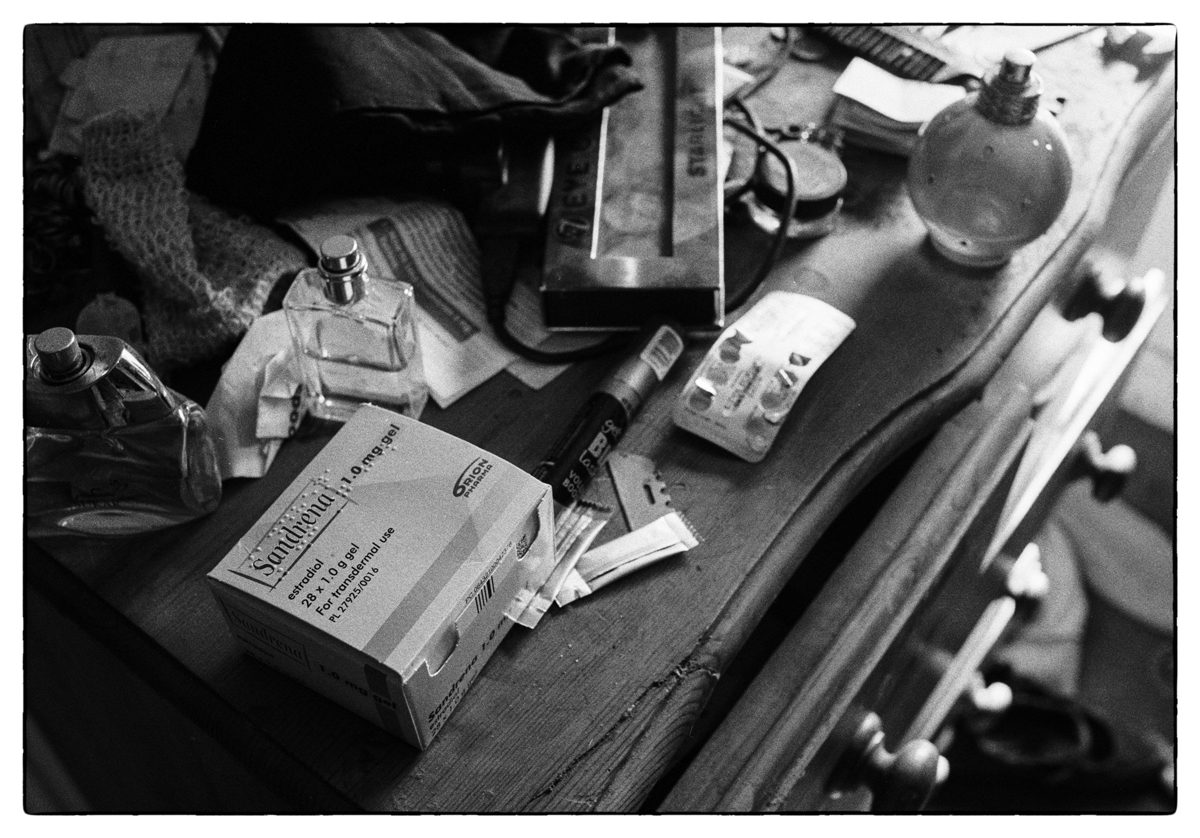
{"points": [[472, 476]]}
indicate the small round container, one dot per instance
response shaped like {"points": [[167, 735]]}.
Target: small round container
{"points": [[820, 180]]}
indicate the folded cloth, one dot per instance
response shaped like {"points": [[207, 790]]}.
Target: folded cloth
{"points": [[205, 274], [304, 113]]}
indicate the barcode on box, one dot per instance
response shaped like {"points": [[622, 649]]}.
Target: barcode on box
{"points": [[484, 594], [662, 351]]}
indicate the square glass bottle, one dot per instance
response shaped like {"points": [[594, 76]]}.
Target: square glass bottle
{"points": [[354, 337]]}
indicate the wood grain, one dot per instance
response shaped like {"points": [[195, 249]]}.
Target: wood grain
{"points": [[807, 685]]}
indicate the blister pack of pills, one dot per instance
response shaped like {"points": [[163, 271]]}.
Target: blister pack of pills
{"points": [[750, 378]]}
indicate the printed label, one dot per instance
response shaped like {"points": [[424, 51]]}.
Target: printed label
{"points": [[484, 594], [307, 516], [471, 477], [337, 583], [391, 244], [265, 638], [740, 395], [663, 351]]}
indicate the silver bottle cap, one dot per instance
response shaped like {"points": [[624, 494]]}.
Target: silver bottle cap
{"points": [[59, 354], [343, 268], [1012, 91], [1017, 66]]}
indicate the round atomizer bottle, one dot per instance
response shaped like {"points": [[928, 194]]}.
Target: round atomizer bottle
{"points": [[991, 172]]}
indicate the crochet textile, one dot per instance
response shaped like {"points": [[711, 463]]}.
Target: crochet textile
{"points": [[205, 274]]}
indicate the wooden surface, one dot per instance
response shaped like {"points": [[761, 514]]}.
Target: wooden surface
{"points": [[588, 711], [914, 582]]}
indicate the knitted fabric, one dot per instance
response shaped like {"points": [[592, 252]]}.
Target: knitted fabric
{"points": [[205, 274]]}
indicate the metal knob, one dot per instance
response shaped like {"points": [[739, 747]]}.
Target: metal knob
{"points": [[340, 254], [59, 354], [343, 268]]}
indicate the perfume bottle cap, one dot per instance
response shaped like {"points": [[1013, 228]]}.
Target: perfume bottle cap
{"points": [[1017, 65], [340, 254], [1011, 92], [60, 354], [344, 269]]}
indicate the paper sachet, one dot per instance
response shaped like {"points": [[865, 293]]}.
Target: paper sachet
{"points": [[667, 536], [574, 532]]}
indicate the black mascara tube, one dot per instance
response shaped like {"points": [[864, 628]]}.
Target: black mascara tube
{"points": [[605, 416]]}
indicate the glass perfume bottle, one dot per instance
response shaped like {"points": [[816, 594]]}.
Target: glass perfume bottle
{"points": [[992, 171], [354, 336], [109, 449]]}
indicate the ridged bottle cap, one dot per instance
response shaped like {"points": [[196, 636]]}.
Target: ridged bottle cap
{"points": [[344, 269], [1017, 65], [340, 254], [1012, 91], [59, 353]]}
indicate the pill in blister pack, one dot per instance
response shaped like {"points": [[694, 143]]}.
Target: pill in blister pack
{"points": [[750, 378]]}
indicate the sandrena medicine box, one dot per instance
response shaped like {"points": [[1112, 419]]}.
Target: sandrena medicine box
{"points": [[384, 576]]}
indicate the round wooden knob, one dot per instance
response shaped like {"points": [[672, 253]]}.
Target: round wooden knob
{"points": [[1022, 577], [899, 782], [1118, 301], [1109, 470], [989, 699]]}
